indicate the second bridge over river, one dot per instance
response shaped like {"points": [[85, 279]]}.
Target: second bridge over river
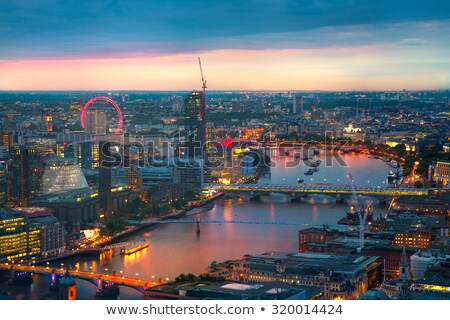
{"points": [[254, 191]]}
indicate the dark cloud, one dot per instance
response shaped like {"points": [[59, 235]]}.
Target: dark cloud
{"points": [[53, 28]]}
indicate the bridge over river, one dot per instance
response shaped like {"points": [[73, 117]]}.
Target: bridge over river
{"points": [[134, 282], [340, 191]]}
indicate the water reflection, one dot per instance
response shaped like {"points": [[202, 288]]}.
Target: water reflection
{"points": [[40, 290], [176, 248]]}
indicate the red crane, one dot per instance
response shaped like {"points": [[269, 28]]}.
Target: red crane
{"points": [[203, 78], [203, 103]]}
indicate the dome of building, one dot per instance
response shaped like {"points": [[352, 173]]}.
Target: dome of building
{"points": [[62, 174]]}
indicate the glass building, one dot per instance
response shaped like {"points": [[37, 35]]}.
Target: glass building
{"points": [[195, 125], [13, 236], [62, 174], [88, 155], [26, 170]]}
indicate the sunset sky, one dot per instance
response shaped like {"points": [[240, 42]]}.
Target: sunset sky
{"points": [[254, 45]]}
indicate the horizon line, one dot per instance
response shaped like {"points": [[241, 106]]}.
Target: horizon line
{"points": [[218, 90]]}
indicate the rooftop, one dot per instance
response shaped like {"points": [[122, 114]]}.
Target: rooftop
{"points": [[236, 290], [311, 263]]}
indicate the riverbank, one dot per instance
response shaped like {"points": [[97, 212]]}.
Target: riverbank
{"points": [[171, 215]]}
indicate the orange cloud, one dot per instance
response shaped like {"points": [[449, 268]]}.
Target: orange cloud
{"points": [[360, 68]]}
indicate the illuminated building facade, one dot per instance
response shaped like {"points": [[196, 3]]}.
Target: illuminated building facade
{"points": [[88, 155], [192, 174], [51, 233], [95, 122], [317, 237], [62, 174], [34, 241], [195, 124], [3, 181], [421, 238], [47, 120], [133, 178], [6, 139], [26, 171], [339, 276], [442, 174], [17, 239], [81, 205]]}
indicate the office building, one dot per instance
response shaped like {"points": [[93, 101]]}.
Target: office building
{"points": [[62, 174], [195, 124], [192, 174], [297, 104], [315, 239], [3, 181], [88, 155], [82, 205], [26, 173], [104, 177], [52, 235], [229, 290], [339, 276], [422, 260], [6, 139], [50, 231], [47, 120], [133, 178], [95, 122], [442, 174], [18, 240]]}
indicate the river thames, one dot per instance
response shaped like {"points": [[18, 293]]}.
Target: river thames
{"points": [[175, 248]]}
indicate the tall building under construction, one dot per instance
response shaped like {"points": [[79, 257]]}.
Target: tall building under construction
{"points": [[195, 124]]}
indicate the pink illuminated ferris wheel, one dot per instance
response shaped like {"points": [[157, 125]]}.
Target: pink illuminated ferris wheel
{"points": [[111, 102]]}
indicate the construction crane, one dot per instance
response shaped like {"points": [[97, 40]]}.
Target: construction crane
{"points": [[203, 78], [203, 102]]}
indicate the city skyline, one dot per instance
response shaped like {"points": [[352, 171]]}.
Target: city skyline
{"points": [[316, 45]]}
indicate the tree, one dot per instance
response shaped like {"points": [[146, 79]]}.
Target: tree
{"points": [[399, 150], [151, 191], [190, 194], [418, 184]]}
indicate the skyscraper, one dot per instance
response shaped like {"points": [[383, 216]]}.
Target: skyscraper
{"points": [[297, 104], [104, 177], [88, 155], [26, 171], [47, 120], [95, 122], [195, 124]]}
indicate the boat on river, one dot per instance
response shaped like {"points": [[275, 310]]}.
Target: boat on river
{"points": [[134, 248]]}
